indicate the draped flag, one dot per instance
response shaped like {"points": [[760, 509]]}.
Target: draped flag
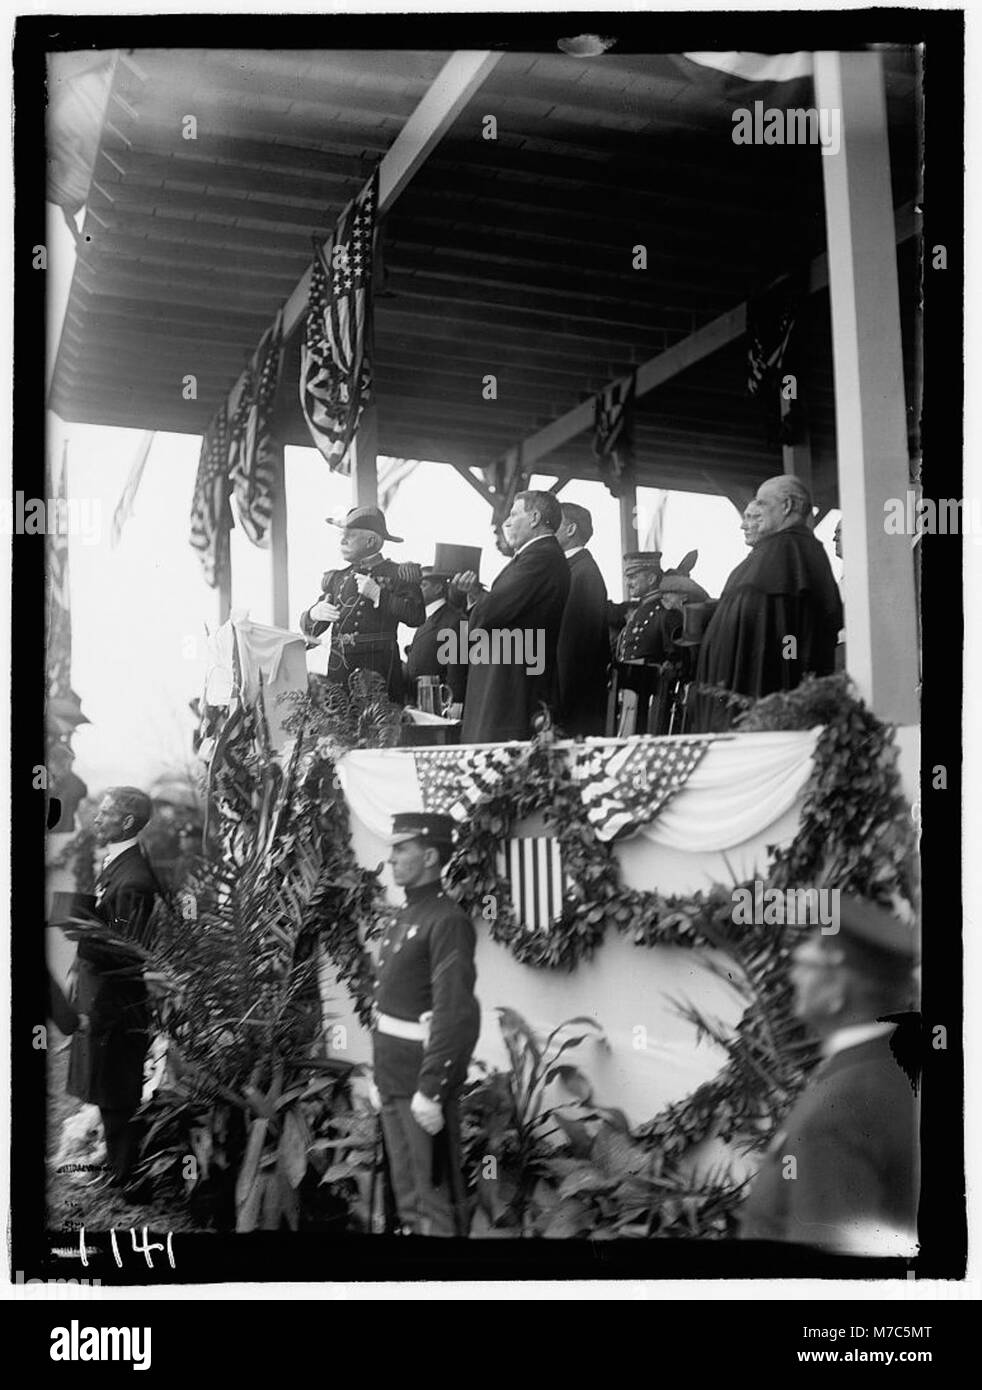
{"points": [[255, 454], [624, 786], [211, 515], [453, 780], [613, 443], [124, 507], [335, 358]]}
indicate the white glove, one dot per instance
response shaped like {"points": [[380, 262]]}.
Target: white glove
{"points": [[368, 588], [374, 1099], [324, 612], [427, 1113]]}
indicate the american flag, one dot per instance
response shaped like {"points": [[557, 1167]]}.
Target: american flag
{"points": [[211, 516], [613, 443], [625, 786], [534, 868], [335, 359], [255, 454], [452, 781]]}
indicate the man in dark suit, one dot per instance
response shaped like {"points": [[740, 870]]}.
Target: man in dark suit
{"points": [[842, 1172], [110, 997], [427, 1022], [521, 615], [362, 604], [584, 638], [423, 653]]}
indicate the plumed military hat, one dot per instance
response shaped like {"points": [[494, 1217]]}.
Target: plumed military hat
{"points": [[422, 825], [364, 519]]}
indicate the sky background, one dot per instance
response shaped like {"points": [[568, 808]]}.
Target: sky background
{"points": [[141, 611]]}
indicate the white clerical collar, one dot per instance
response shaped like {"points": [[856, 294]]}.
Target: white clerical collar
{"points": [[431, 608], [575, 551], [544, 537], [852, 1036], [114, 850]]}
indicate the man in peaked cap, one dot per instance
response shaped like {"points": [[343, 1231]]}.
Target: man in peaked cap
{"points": [[363, 604], [842, 1172], [426, 1027]]}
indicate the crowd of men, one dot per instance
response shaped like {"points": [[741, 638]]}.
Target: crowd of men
{"points": [[778, 618]]}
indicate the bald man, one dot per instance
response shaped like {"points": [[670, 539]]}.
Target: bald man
{"points": [[779, 614]]}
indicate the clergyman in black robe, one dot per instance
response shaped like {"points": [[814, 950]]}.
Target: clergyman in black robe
{"points": [[783, 590]]}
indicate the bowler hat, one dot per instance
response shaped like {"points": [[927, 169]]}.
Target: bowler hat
{"points": [[364, 519], [422, 825]]}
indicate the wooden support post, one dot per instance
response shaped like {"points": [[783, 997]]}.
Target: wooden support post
{"points": [[278, 549], [871, 428], [797, 456], [628, 503], [225, 587], [364, 456]]}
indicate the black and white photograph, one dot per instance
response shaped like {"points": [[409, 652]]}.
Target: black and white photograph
{"points": [[487, 520]]}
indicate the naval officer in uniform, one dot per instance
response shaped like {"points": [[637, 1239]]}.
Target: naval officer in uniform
{"points": [[427, 1022], [362, 604], [842, 1172]]}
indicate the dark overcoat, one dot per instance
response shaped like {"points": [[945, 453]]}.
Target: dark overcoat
{"points": [[528, 595], [853, 1136], [583, 653], [422, 658], [106, 1063]]}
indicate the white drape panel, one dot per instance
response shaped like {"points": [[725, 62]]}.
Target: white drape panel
{"points": [[741, 787]]}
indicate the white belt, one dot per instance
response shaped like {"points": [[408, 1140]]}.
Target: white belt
{"points": [[401, 1028]]}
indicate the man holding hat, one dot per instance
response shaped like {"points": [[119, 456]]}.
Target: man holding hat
{"points": [[362, 605], [842, 1173], [442, 616], [426, 1027]]}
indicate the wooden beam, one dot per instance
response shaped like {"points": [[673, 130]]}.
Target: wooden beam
{"points": [[703, 343], [481, 488], [455, 84]]}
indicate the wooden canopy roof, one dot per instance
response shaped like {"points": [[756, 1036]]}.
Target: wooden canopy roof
{"points": [[510, 256]]}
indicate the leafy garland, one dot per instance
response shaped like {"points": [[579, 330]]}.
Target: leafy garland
{"points": [[855, 834]]}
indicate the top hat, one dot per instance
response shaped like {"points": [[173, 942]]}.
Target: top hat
{"points": [[364, 519], [449, 560], [695, 620], [422, 825]]}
